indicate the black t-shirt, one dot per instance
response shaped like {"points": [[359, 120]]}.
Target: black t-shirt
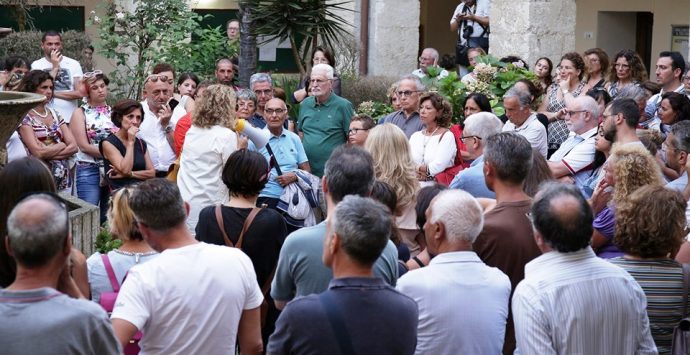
{"points": [[261, 242], [139, 162]]}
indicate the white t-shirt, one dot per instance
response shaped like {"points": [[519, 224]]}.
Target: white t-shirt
{"points": [[204, 154], [68, 75], [189, 300], [437, 152], [15, 148], [482, 9], [161, 153], [533, 130]]}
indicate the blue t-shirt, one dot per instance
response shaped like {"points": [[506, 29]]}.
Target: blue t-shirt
{"points": [[289, 153], [472, 180]]}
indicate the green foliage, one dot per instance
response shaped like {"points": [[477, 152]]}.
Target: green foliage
{"points": [[28, 44], [105, 242], [374, 109], [358, 89], [155, 30], [289, 83], [288, 20]]}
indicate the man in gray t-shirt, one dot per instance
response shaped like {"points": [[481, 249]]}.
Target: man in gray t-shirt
{"points": [[37, 318]]}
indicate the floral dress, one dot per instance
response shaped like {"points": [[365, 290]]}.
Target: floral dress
{"points": [[98, 127], [49, 135]]}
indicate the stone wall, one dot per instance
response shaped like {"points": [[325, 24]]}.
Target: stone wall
{"points": [[84, 222], [393, 37], [532, 28]]}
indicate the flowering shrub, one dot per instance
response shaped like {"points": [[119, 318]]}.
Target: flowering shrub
{"points": [[375, 110]]}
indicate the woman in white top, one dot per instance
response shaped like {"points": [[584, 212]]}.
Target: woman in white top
{"points": [[134, 249], [208, 144], [90, 124], [433, 148]]}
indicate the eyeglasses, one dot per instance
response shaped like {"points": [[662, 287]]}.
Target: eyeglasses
{"points": [[468, 137], [406, 93], [317, 81], [687, 78], [570, 113], [356, 130], [622, 66], [424, 59], [154, 78], [270, 112], [265, 92], [92, 74]]}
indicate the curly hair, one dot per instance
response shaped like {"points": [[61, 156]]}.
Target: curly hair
{"points": [[33, 80], [638, 72], [578, 62], [603, 60], [654, 231], [445, 111], [633, 167], [390, 150], [121, 218], [216, 106]]}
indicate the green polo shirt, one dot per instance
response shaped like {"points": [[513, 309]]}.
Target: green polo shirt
{"points": [[324, 127]]}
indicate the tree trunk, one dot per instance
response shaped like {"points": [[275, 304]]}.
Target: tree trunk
{"points": [[297, 57], [248, 55]]}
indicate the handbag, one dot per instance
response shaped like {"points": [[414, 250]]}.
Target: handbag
{"points": [[238, 245], [446, 176], [680, 344], [107, 301]]}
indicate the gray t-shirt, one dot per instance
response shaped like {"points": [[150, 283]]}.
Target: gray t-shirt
{"points": [[121, 263], [301, 272], [45, 321], [408, 125]]}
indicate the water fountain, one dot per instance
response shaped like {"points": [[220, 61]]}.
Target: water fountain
{"points": [[13, 107]]}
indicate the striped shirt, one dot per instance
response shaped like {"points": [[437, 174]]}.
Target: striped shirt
{"points": [[576, 303], [662, 282]]}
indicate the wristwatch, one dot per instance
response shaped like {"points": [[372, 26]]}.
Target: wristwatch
{"points": [[168, 129]]}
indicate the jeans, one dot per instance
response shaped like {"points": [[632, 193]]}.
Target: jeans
{"points": [[88, 188]]}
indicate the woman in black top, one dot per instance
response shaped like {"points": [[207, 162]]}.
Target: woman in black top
{"points": [[245, 174], [126, 159]]}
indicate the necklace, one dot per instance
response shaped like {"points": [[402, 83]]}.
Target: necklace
{"points": [[432, 133], [40, 115], [428, 137]]}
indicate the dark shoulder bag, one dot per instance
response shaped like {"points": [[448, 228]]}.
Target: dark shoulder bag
{"points": [[681, 333]]}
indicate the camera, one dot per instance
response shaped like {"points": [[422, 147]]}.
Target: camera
{"points": [[467, 31]]}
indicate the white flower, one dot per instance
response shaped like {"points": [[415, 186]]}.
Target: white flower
{"points": [[96, 19], [519, 64], [93, 12], [120, 15]]}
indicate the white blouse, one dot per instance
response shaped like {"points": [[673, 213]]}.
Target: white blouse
{"points": [[437, 152]]}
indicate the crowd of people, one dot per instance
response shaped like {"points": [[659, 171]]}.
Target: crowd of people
{"points": [[558, 227]]}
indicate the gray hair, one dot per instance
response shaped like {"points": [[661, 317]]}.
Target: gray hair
{"points": [[157, 203], [327, 69], [417, 82], [246, 94], [587, 103], [482, 125], [635, 92], [434, 52], [363, 226], [681, 136], [510, 154], [523, 96], [349, 171], [259, 78], [460, 213], [37, 233]]}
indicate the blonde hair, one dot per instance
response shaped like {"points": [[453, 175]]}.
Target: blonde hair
{"points": [[633, 167], [215, 107], [121, 218], [393, 163]]}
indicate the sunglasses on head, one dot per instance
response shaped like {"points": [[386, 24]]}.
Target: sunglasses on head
{"points": [[93, 74], [155, 77]]}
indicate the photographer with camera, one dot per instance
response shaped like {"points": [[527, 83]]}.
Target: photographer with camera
{"points": [[471, 21]]}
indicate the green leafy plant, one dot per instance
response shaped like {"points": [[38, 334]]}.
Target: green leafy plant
{"points": [[374, 109], [136, 38], [105, 242], [289, 20]]}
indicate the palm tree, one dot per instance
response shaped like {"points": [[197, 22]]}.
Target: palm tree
{"points": [[292, 20], [247, 42]]}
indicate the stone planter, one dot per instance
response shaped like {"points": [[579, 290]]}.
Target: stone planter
{"points": [[13, 107], [85, 223]]}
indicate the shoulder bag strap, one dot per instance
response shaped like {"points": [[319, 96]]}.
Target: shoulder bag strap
{"points": [[337, 322], [686, 280], [247, 223], [111, 273], [221, 225]]}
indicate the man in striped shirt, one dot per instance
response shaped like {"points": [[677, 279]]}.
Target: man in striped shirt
{"points": [[572, 302]]}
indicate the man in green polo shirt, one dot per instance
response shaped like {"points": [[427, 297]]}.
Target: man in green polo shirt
{"points": [[324, 118]]}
